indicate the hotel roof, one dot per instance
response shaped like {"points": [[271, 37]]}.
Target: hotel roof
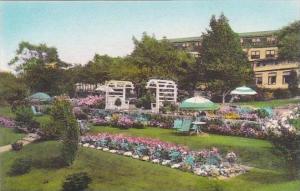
{"points": [[245, 34]]}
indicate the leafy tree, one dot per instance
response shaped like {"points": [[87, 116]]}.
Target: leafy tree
{"points": [[289, 42], [40, 67], [224, 64], [159, 59], [64, 118], [293, 83], [11, 88]]}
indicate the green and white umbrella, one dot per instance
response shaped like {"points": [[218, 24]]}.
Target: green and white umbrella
{"points": [[244, 90], [40, 97], [198, 103]]}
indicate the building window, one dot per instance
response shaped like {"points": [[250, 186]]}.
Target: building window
{"points": [[272, 78], [286, 77], [258, 79], [255, 54], [270, 53], [270, 39], [258, 64], [256, 40]]}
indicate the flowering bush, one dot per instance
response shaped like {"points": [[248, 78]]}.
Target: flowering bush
{"points": [[91, 101], [237, 128], [119, 121], [100, 122], [232, 116], [7, 122], [204, 162]]}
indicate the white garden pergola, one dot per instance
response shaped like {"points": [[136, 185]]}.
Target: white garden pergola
{"points": [[165, 91], [114, 90]]}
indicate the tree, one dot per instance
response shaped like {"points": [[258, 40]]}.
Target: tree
{"points": [[289, 42], [40, 67], [11, 88], [64, 118], [159, 59], [224, 64], [293, 82]]}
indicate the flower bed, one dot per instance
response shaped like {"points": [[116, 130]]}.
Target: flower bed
{"points": [[90, 101], [124, 122], [203, 162], [236, 128], [7, 122]]}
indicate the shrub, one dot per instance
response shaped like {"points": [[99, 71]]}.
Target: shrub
{"points": [[49, 130], [20, 166], [282, 93], [262, 113], [65, 120], [77, 182], [17, 146], [118, 102], [24, 115]]}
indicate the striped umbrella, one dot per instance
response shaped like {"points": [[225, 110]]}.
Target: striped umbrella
{"points": [[244, 90], [198, 103]]}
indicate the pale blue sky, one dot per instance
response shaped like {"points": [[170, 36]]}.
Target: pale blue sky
{"points": [[80, 29]]}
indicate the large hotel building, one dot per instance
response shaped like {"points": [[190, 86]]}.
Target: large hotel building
{"points": [[262, 51]]}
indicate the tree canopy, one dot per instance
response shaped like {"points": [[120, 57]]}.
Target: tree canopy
{"points": [[224, 63], [40, 67], [289, 42]]}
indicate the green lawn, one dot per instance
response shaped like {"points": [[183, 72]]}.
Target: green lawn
{"points": [[272, 103], [6, 112], [9, 136], [114, 172]]}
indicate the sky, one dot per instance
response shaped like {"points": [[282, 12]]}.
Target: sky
{"points": [[80, 29]]}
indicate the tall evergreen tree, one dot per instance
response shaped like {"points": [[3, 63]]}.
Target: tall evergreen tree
{"points": [[224, 64]]}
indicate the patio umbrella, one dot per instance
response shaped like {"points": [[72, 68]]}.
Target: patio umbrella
{"points": [[198, 103], [244, 90], [40, 97]]}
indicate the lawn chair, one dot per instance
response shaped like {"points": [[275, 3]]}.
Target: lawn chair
{"points": [[177, 124], [34, 111], [186, 125]]}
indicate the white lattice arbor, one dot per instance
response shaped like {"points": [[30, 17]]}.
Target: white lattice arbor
{"points": [[117, 89], [165, 91]]}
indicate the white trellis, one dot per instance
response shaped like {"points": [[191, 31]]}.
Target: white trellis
{"points": [[117, 90], [165, 91], [84, 87]]}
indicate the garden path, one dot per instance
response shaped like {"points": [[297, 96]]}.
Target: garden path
{"points": [[26, 140]]}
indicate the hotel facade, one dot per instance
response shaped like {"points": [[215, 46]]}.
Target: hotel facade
{"points": [[262, 52]]}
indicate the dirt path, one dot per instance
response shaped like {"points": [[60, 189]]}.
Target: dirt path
{"points": [[26, 140]]}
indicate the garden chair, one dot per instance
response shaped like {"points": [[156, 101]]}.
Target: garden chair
{"points": [[34, 111], [186, 125], [177, 124]]}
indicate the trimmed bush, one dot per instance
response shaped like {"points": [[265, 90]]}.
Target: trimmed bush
{"points": [[17, 146], [282, 93], [20, 166], [77, 182]]}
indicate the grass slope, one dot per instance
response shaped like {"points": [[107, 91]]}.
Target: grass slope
{"points": [[9, 136], [114, 172]]}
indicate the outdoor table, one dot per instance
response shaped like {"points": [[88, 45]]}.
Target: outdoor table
{"points": [[198, 123]]}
